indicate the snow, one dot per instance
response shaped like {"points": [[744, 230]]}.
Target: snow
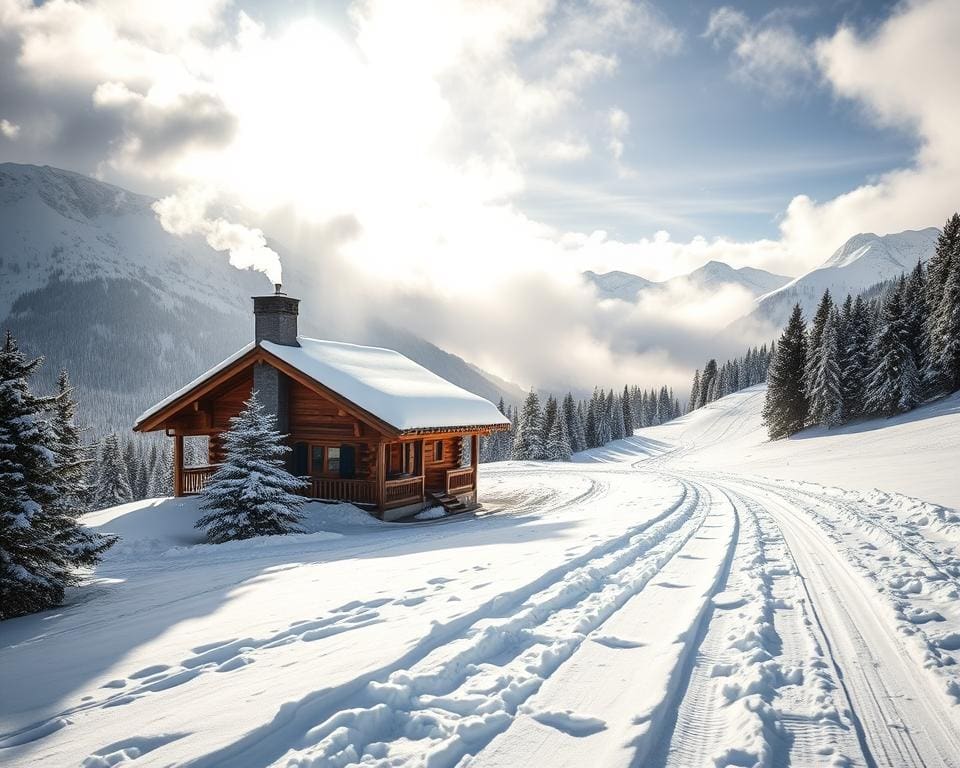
{"points": [[387, 384], [692, 595], [382, 382]]}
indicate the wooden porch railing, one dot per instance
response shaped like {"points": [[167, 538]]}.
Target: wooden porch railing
{"points": [[460, 480], [407, 490], [337, 489], [196, 478]]}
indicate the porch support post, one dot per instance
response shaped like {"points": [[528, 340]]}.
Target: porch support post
{"points": [[381, 474], [178, 465], [474, 456]]}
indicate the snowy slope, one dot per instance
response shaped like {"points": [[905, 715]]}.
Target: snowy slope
{"points": [[861, 262], [906, 454], [690, 596], [711, 276]]}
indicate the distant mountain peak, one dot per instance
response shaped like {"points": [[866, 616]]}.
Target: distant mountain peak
{"points": [[711, 276]]}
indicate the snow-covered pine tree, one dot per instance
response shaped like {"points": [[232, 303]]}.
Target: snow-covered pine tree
{"points": [[606, 423], [826, 386], [692, 404], [813, 339], [549, 416], [945, 338], [558, 442], [628, 421], [578, 426], [590, 423], [858, 359], [617, 431], [706, 381], [41, 544], [528, 442], [112, 485], [73, 459], [915, 315], [894, 385], [785, 408], [252, 493]]}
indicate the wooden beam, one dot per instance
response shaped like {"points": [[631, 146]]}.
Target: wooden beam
{"points": [[178, 465], [381, 473]]}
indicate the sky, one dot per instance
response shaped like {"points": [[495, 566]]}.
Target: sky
{"points": [[464, 162]]}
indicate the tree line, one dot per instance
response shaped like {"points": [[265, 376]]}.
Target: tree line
{"points": [[736, 374], [560, 428], [871, 357]]}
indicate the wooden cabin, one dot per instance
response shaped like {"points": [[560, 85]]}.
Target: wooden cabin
{"points": [[366, 425]]}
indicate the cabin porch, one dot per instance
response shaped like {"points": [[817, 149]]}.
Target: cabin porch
{"points": [[388, 476]]}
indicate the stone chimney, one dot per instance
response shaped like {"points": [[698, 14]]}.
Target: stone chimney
{"points": [[275, 320]]}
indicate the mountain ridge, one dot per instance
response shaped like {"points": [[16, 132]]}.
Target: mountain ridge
{"points": [[90, 279]]}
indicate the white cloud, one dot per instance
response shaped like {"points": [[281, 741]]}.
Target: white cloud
{"points": [[768, 55], [618, 122], [903, 74], [9, 130]]}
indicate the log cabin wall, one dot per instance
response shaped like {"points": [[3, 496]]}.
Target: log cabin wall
{"points": [[316, 420], [435, 470]]}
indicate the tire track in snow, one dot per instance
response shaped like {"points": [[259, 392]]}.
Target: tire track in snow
{"points": [[470, 639], [760, 693], [898, 714]]}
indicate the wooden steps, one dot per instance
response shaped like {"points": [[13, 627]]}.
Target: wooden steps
{"points": [[450, 503]]}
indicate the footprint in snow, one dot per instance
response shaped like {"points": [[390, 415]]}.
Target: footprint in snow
{"points": [[569, 722]]}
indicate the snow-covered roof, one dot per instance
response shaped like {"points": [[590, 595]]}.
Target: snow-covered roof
{"points": [[382, 382]]}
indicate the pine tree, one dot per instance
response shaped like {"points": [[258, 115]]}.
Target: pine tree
{"points": [[41, 544], [706, 382], [528, 442], [558, 442], [73, 460], [785, 409], [693, 403], [628, 421], [112, 485], [945, 337], [813, 339], [858, 359], [826, 387], [252, 493], [549, 416], [894, 384]]}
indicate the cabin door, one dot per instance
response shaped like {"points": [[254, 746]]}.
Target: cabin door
{"points": [[348, 461]]}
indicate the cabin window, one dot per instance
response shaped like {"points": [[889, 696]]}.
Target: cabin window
{"points": [[438, 450], [316, 459], [333, 460]]}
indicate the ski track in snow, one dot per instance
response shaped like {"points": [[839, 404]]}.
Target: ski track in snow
{"points": [[744, 621]]}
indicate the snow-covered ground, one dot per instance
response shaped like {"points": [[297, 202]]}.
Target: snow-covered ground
{"points": [[689, 596]]}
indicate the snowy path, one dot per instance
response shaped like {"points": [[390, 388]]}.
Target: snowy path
{"points": [[647, 605]]}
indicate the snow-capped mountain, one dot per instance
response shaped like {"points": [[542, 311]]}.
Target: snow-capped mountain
{"points": [[863, 261], [618, 285], [711, 276], [90, 279]]}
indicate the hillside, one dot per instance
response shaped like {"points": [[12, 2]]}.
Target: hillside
{"points": [[90, 279], [903, 454]]}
